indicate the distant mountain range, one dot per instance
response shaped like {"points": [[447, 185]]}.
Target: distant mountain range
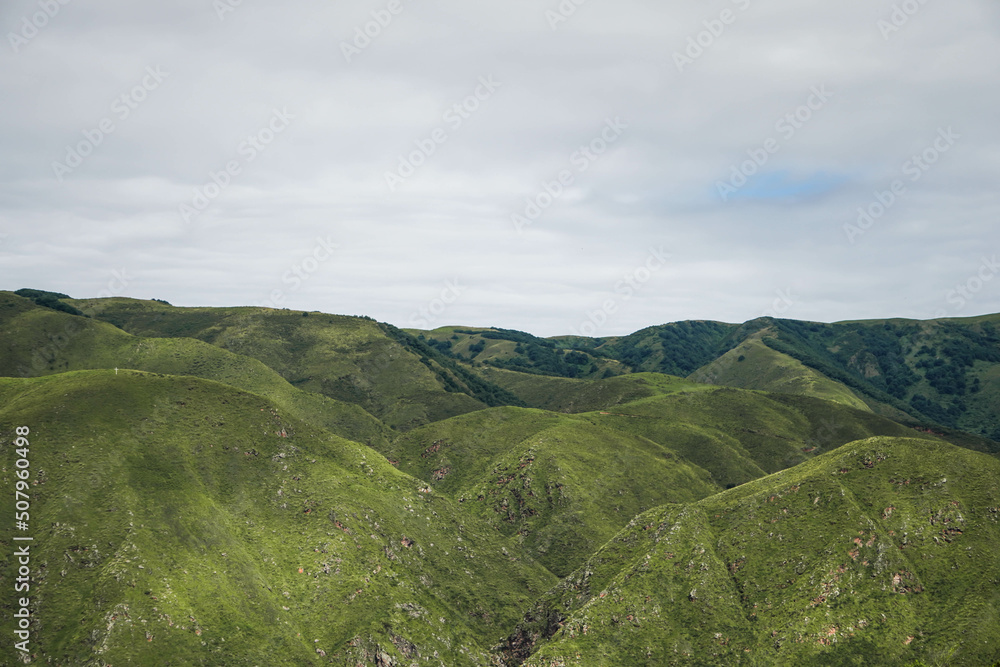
{"points": [[250, 486]]}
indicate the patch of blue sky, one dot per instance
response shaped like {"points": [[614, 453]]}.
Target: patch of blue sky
{"points": [[782, 186]]}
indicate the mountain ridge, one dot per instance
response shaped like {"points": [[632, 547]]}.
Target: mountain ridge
{"points": [[261, 486]]}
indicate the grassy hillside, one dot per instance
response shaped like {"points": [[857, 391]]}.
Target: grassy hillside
{"points": [[740, 435], [937, 373], [350, 359], [941, 371], [754, 365], [568, 395], [180, 521], [271, 487], [880, 552], [561, 486], [38, 341], [678, 348]]}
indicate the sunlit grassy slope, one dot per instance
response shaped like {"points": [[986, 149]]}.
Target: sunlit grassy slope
{"points": [[350, 359], [180, 521], [38, 341], [272, 487], [882, 552], [563, 484], [753, 365]]}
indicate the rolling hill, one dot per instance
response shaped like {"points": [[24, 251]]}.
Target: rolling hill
{"points": [[40, 341], [563, 484], [179, 521], [252, 486], [350, 359], [880, 552]]}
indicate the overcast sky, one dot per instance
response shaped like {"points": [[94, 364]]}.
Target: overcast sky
{"points": [[555, 168]]}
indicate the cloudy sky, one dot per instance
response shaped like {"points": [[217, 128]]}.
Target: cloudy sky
{"points": [[587, 166]]}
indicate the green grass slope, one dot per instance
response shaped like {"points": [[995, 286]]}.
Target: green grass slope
{"points": [[569, 395], [179, 521], [753, 365], [882, 552], [38, 341], [944, 372], [564, 483], [350, 359], [738, 435], [559, 485]]}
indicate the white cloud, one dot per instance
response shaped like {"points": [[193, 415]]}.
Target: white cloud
{"points": [[657, 186]]}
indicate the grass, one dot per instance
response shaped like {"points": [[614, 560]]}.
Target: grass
{"points": [[739, 435], [349, 359], [271, 487], [571, 395], [176, 525], [563, 484], [753, 365], [38, 341], [559, 485], [880, 552]]}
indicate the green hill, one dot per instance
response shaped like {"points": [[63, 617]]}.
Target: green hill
{"points": [[520, 351], [938, 373], [251, 486], [39, 341], [754, 365], [935, 373], [679, 348], [736, 435], [944, 372], [880, 552], [559, 485], [739, 435], [350, 359], [569, 395], [675, 349], [563, 484], [179, 521]]}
